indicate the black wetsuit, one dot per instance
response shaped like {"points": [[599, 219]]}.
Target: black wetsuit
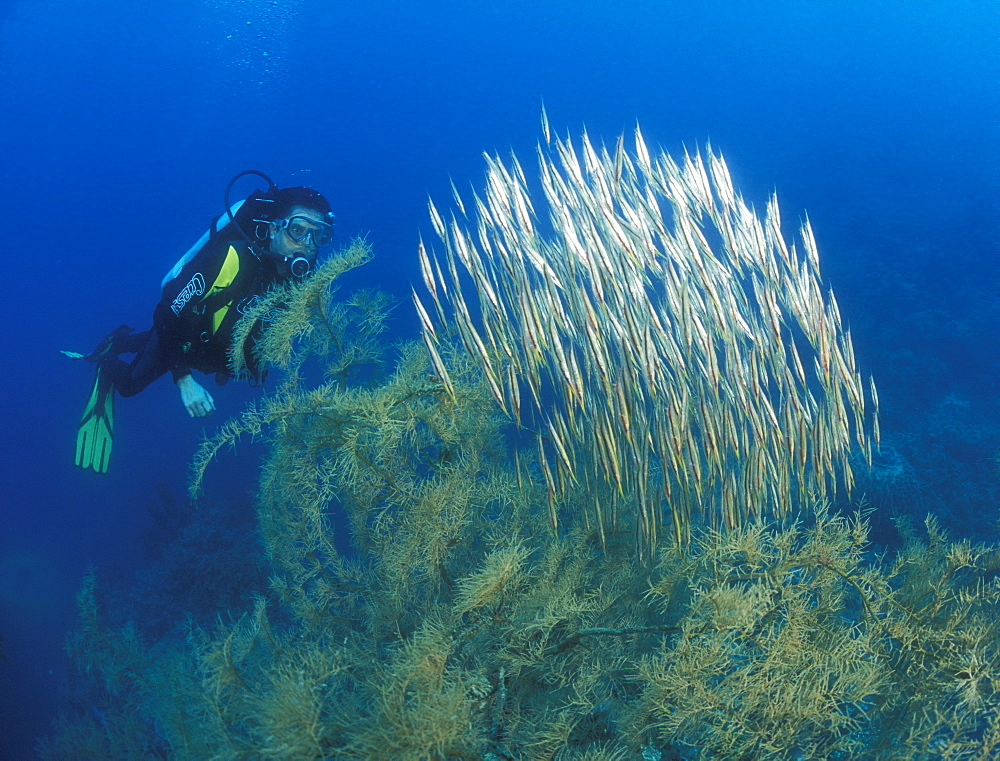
{"points": [[193, 323]]}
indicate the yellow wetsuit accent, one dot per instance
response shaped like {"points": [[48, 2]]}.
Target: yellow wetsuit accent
{"points": [[225, 278]]}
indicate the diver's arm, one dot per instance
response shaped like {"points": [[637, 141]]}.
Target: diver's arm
{"points": [[196, 400]]}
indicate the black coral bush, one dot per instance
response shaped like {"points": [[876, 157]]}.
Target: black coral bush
{"points": [[451, 622]]}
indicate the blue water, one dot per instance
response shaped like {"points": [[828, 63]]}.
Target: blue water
{"points": [[122, 122]]}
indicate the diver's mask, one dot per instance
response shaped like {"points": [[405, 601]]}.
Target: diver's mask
{"points": [[301, 229], [298, 228]]}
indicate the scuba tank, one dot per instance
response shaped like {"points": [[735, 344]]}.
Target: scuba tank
{"points": [[220, 225]]}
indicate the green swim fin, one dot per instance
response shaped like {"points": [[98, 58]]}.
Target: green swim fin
{"points": [[96, 430]]}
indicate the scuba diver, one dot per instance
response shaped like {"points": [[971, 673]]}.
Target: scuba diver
{"points": [[270, 237]]}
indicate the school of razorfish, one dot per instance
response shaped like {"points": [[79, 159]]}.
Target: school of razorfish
{"points": [[671, 345]]}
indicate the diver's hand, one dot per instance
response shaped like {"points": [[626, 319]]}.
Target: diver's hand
{"points": [[196, 400]]}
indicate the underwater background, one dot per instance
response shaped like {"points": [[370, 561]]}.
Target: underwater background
{"points": [[123, 122]]}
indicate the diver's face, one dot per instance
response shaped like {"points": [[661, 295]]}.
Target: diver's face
{"points": [[284, 244]]}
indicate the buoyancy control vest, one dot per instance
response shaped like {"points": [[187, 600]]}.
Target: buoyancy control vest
{"points": [[210, 287]]}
